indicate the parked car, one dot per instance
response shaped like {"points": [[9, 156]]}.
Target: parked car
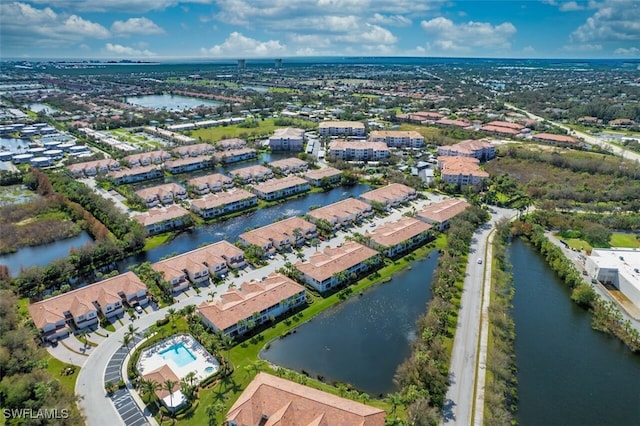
{"points": [[138, 309]]}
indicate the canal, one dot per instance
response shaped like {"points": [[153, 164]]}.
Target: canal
{"points": [[568, 374], [363, 340]]}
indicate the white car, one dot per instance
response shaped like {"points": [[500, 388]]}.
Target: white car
{"points": [[138, 309]]}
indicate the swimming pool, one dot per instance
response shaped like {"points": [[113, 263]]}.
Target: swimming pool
{"points": [[179, 354]]}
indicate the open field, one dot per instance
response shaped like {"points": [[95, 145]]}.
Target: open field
{"points": [[265, 128], [619, 239]]}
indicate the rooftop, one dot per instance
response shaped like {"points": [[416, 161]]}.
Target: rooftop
{"points": [[392, 233], [444, 210], [389, 193], [221, 198], [279, 184], [340, 209], [162, 214], [322, 265]]}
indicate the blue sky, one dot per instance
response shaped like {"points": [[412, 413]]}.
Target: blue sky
{"points": [[217, 29]]}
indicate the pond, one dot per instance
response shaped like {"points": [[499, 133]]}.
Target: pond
{"points": [[170, 102], [14, 145], [568, 374], [361, 341], [37, 107], [43, 254]]}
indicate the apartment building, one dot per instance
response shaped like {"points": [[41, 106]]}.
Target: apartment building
{"points": [[398, 138], [221, 203], [194, 150], [289, 165], [234, 155], [287, 139], [227, 144], [393, 238], [461, 171], [342, 128], [275, 189], [163, 219], [162, 194], [391, 195], [214, 182], [188, 164], [280, 235], [342, 213], [317, 177], [439, 214], [358, 150], [253, 173], [93, 168], [136, 174], [147, 158], [481, 150]]}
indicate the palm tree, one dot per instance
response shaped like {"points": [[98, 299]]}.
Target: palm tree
{"points": [[132, 331], [395, 399], [126, 339], [149, 387], [212, 294], [82, 335], [168, 385]]}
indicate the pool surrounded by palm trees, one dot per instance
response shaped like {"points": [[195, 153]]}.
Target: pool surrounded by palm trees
{"points": [[183, 354]]}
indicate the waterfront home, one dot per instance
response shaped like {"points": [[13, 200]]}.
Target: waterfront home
{"points": [[342, 213], [164, 194], [227, 144], [252, 173], [198, 265], [280, 235], [341, 128], [137, 174], [275, 189], [439, 214], [358, 150], [235, 155], [289, 165], [287, 139], [270, 400], [214, 182], [57, 316], [251, 304], [336, 265], [188, 164], [194, 150], [147, 158], [391, 195], [221, 203], [93, 168], [461, 171], [398, 138], [163, 219], [393, 238], [481, 150], [328, 175]]}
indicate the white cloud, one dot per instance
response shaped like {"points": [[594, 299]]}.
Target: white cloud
{"points": [[369, 35], [571, 6], [120, 50], [450, 37], [631, 51], [132, 6], [614, 20], [136, 26], [529, 49], [239, 45], [584, 47], [392, 20]]}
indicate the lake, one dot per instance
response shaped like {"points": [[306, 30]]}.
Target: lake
{"points": [[37, 107], [363, 340], [169, 102]]}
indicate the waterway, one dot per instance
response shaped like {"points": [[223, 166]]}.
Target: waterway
{"points": [[43, 254], [363, 340], [169, 102], [568, 374]]}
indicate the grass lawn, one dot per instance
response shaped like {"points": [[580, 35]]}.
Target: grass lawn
{"points": [[423, 130], [265, 128], [157, 240], [578, 244], [246, 353], [619, 239], [55, 366]]}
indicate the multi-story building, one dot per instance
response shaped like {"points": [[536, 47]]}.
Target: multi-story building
{"points": [[398, 138], [169, 135], [162, 194], [343, 213], [481, 150], [188, 164], [336, 265], [288, 139], [328, 175], [461, 171], [289, 165], [358, 150], [235, 155], [503, 128], [93, 168], [439, 214], [280, 235], [391, 195], [393, 238], [147, 158], [215, 182], [81, 308], [619, 268], [555, 139], [221, 203], [342, 128], [194, 150], [252, 304], [234, 143], [163, 219], [253, 173], [275, 189], [136, 174]]}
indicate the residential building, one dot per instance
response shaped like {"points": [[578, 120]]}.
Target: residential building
{"points": [[78, 309], [188, 164], [289, 165], [252, 304], [194, 150], [137, 174], [198, 265], [221, 203], [93, 168], [270, 400], [358, 150], [341, 128], [335, 265], [280, 235], [147, 158], [234, 155], [391, 195], [275, 189], [481, 150], [171, 398], [288, 139], [503, 128], [555, 139], [447, 122], [420, 117], [439, 214], [398, 138], [253, 173], [163, 219], [215, 182], [461, 171], [393, 238], [343, 213], [617, 267], [622, 123], [227, 144], [170, 136], [162, 194], [328, 175]]}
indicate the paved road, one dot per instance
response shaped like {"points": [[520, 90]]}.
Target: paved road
{"points": [[622, 152], [464, 359], [100, 409]]}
